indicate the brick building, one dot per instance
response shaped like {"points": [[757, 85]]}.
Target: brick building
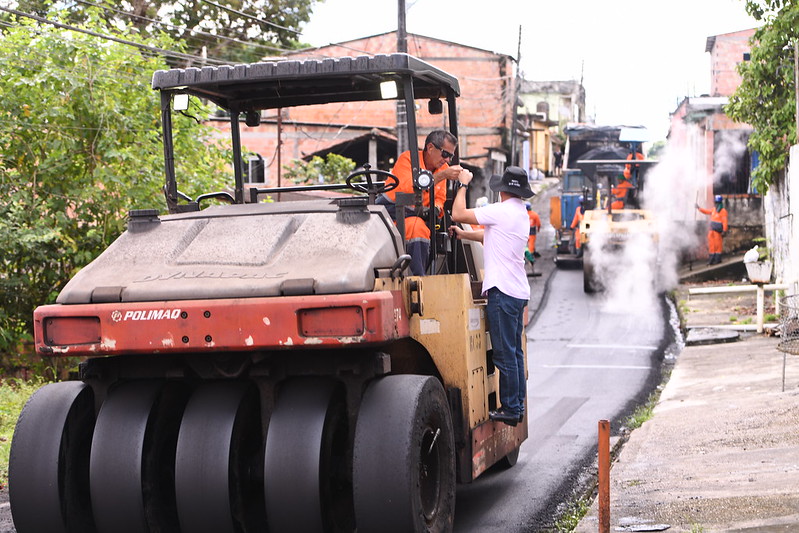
{"points": [[366, 132], [726, 52], [547, 106], [718, 145]]}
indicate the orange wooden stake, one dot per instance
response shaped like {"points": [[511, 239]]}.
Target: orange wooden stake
{"points": [[603, 464]]}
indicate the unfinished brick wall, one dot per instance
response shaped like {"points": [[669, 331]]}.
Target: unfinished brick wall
{"points": [[484, 110], [726, 52]]}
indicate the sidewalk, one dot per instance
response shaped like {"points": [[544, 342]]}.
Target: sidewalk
{"points": [[721, 452]]}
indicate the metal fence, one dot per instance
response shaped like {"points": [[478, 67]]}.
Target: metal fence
{"points": [[789, 329], [789, 325]]}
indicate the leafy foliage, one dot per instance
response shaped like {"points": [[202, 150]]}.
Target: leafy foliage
{"points": [[14, 394], [570, 516], [766, 98], [230, 30], [80, 145], [656, 150], [333, 169]]}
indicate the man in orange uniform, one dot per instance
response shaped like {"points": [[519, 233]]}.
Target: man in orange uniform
{"points": [[578, 217], [620, 191], [439, 148], [718, 227], [535, 227], [628, 171]]}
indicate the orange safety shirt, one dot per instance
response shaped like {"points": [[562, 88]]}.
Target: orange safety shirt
{"points": [[404, 173], [620, 193], [628, 168], [578, 217], [716, 216], [535, 227], [535, 222]]}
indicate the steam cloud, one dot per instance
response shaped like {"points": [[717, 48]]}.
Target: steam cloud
{"points": [[633, 277], [730, 146]]}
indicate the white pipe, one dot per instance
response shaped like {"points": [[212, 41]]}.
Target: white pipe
{"points": [[738, 288], [759, 289], [736, 327]]}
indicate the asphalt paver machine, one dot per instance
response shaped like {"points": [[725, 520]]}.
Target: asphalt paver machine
{"points": [[266, 366], [616, 242]]}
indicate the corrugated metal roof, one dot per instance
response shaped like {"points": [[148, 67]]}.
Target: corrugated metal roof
{"points": [[273, 84]]}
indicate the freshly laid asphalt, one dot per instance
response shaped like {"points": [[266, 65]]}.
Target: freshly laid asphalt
{"points": [[721, 450]]}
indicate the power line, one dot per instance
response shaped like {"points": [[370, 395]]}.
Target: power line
{"points": [[17, 125], [153, 49], [231, 10], [138, 73], [195, 31]]}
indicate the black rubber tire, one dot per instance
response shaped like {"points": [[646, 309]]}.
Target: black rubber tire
{"points": [[219, 449], [131, 466], [510, 460], [590, 283], [48, 471], [404, 457], [298, 462]]}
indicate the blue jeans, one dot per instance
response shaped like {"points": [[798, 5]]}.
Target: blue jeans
{"points": [[505, 324]]}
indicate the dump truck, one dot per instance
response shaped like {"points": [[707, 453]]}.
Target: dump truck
{"points": [[574, 188], [267, 366]]}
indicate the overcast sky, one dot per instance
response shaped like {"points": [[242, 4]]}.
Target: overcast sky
{"points": [[638, 58]]}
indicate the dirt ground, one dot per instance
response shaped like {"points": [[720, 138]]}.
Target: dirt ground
{"points": [[726, 309]]}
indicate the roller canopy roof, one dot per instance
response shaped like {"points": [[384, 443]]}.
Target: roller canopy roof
{"points": [[290, 83]]}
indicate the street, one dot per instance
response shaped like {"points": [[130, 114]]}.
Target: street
{"points": [[586, 363], [590, 357]]}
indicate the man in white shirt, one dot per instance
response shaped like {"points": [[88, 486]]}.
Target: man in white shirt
{"points": [[507, 228]]}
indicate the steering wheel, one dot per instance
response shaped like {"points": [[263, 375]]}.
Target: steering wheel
{"points": [[372, 186]]}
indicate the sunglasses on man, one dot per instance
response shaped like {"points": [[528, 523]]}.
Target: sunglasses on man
{"points": [[444, 153]]}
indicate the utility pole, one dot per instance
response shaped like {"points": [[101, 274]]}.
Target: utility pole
{"points": [[514, 97], [796, 83], [402, 48]]}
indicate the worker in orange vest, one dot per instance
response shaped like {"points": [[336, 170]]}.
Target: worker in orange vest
{"points": [[620, 191], [578, 217], [628, 171], [438, 151], [535, 226], [718, 228]]}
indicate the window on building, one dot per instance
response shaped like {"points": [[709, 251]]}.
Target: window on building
{"points": [[732, 162], [254, 170]]}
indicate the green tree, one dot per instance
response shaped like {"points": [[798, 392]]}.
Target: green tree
{"points": [[229, 30], [333, 168], [656, 150], [80, 144], [766, 98]]}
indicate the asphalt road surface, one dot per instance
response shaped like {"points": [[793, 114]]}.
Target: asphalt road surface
{"points": [[588, 360]]}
